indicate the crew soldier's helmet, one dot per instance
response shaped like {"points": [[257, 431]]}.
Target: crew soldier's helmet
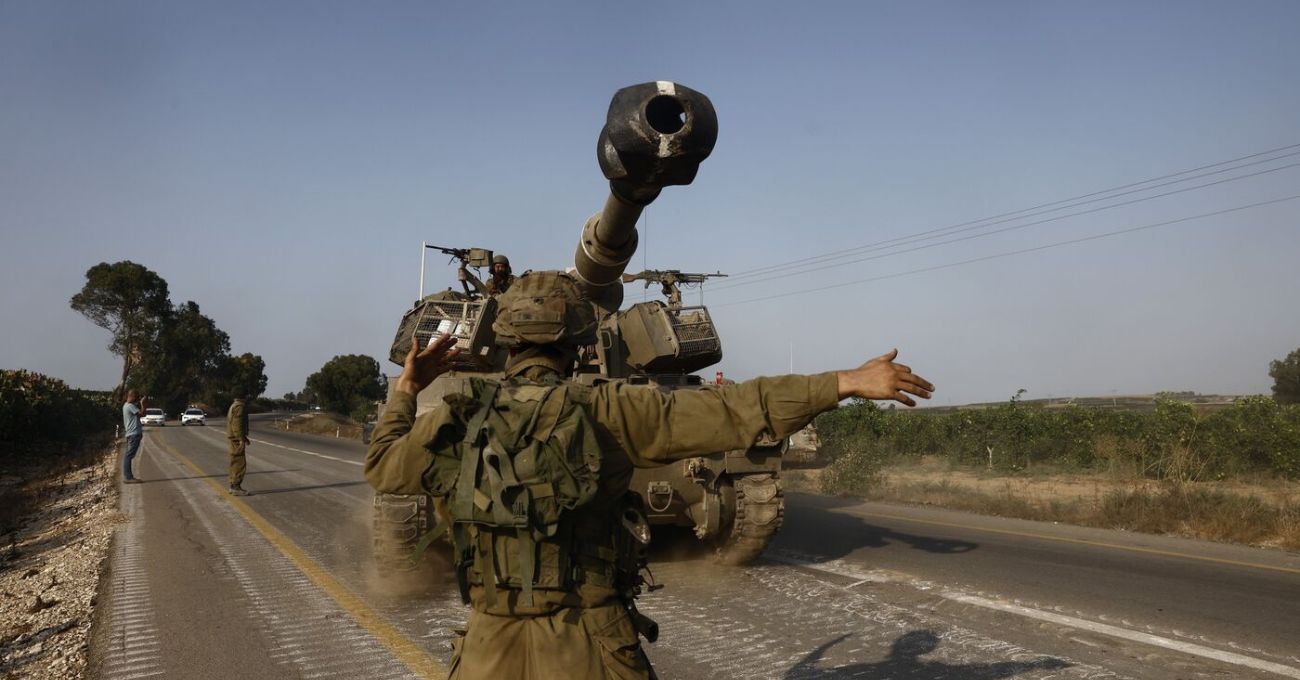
{"points": [[544, 308], [501, 259]]}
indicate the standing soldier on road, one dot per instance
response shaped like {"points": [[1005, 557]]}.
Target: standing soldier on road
{"points": [[536, 471], [132, 431], [237, 433], [501, 280]]}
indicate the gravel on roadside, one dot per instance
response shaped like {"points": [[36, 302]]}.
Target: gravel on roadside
{"points": [[49, 574]]}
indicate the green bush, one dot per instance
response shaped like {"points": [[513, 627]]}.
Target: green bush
{"points": [[1172, 442], [266, 405], [853, 472], [1256, 433], [39, 410]]}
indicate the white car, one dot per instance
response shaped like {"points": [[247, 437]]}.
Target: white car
{"points": [[154, 416], [194, 415]]}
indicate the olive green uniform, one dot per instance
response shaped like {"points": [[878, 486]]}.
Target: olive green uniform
{"points": [[587, 632], [497, 286], [237, 432], [494, 286]]}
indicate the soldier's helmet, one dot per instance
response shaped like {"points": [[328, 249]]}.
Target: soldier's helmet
{"points": [[501, 259], [544, 308]]}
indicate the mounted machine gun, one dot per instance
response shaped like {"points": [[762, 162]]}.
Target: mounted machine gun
{"points": [[671, 280]]}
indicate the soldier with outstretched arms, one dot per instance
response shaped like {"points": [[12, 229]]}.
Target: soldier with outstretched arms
{"points": [[558, 602], [534, 468]]}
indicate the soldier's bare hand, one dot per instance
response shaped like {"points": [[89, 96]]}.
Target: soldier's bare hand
{"points": [[424, 364], [881, 378]]}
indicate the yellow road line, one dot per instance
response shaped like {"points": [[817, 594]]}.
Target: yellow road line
{"points": [[1082, 541], [409, 653]]}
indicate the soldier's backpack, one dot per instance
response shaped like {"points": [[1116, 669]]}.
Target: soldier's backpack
{"points": [[513, 459]]}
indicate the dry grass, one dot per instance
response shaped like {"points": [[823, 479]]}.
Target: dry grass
{"points": [[26, 479], [1260, 512], [50, 569], [1203, 513], [322, 423]]}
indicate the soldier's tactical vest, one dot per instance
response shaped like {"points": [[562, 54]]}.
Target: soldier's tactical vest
{"points": [[519, 467]]}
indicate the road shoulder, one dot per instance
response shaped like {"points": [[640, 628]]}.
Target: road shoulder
{"points": [[50, 572]]}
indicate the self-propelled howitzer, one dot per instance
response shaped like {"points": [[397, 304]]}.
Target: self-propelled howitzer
{"points": [[655, 135], [732, 500]]}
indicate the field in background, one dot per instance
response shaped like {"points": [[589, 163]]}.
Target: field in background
{"points": [[322, 423], [47, 431], [1205, 467]]}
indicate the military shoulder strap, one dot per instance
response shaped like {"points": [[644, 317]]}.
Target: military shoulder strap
{"points": [[527, 456]]}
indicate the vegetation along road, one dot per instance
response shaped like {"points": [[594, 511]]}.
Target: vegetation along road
{"points": [[279, 584]]}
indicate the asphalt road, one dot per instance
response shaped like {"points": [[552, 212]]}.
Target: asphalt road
{"points": [[279, 584]]}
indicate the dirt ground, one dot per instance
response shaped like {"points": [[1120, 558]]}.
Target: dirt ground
{"points": [[1068, 487], [1261, 512], [49, 571], [322, 423], [1061, 487]]}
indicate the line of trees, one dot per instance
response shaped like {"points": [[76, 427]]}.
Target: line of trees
{"points": [[43, 416], [173, 353], [348, 383], [1175, 441]]}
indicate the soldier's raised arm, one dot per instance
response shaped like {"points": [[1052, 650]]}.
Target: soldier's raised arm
{"points": [[397, 457], [656, 427], [463, 274]]}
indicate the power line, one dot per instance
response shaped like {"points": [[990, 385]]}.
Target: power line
{"points": [[823, 266], [812, 262], [1022, 251], [1020, 213], [937, 233]]}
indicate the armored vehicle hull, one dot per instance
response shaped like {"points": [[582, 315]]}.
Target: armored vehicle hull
{"points": [[733, 500]]}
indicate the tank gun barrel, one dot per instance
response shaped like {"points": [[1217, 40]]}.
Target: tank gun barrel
{"points": [[655, 135]]}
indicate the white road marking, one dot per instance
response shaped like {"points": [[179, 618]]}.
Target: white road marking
{"points": [[1126, 634], [133, 647], [737, 637], [310, 453], [1060, 619], [301, 626]]}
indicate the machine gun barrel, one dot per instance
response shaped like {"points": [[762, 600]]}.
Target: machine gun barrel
{"points": [[461, 254], [670, 276], [655, 135]]}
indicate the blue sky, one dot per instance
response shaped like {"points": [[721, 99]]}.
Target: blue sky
{"points": [[280, 163]]}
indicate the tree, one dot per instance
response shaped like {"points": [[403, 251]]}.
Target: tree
{"points": [[128, 300], [243, 375], [188, 353], [1286, 378], [249, 375], [347, 384]]}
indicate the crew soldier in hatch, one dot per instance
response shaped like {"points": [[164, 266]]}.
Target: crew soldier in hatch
{"points": [[501, 279], [237, 434], [558, 603]]}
